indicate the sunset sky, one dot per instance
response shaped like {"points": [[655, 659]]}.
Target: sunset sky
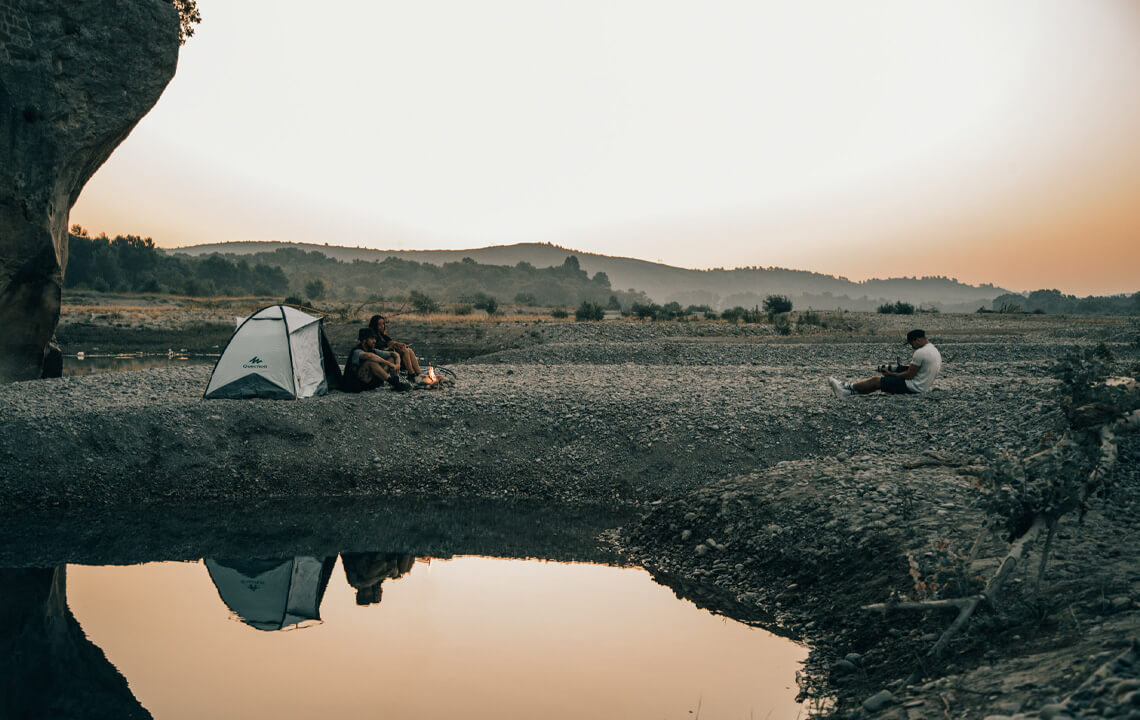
{"points": [[992, 142]]}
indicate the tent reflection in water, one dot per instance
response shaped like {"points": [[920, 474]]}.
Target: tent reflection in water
{"points": [[279, 353], [272, 594]]}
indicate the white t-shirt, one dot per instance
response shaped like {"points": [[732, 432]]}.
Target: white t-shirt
{"points": [[929, 362]]}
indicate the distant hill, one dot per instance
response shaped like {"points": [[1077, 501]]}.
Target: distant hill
{"points": [[664, 283]]}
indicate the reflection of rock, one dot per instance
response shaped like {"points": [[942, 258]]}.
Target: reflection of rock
{"points": [[367, 571], [75, 77], [272, 594], [48, 668]]}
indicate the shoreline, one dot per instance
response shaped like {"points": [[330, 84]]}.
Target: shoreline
{"points": [[735, 439]]}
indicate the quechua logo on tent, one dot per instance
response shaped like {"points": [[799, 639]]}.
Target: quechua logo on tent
{"points": [[255, 363]]}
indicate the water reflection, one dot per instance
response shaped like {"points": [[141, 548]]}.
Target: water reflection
{"points": [[48, 667], [366, 572], [92, 364], [273, 594], [524, 611], [504, 638]]}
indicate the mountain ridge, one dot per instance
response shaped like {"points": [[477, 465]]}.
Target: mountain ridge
{"points": [[718, 288]]}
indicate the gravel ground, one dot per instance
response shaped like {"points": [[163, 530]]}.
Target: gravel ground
{"points": [[762, 496]]}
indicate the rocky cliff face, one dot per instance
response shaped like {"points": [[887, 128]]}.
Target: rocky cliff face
{"points": [[75, 78]]}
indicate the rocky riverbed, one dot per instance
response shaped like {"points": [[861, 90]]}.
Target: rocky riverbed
{"points": [[757, 493]]}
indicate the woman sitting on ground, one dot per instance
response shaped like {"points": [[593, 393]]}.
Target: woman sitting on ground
{"points": [[411, 364]]}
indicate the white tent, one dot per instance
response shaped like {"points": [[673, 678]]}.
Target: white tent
{"points": [[273, 594], [278, 352]]}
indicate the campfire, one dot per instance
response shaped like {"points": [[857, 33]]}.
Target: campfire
{"points": [[433, 380]]}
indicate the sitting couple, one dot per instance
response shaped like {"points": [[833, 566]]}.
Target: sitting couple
{"points": [[377, 359]]}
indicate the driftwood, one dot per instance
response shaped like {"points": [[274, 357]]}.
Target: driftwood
{"points": [[933, 458], [967, 606]]}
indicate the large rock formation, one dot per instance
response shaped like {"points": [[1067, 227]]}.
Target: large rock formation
{"points": [[75, 78]]}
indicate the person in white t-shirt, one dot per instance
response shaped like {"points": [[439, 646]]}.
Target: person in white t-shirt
{"points": [[918, 377]]}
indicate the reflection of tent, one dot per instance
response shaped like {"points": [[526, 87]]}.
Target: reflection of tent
{"points": [[272, 594], [278, 352]]}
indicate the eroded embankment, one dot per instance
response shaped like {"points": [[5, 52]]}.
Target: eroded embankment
{"points": [[803, 546], [692, 431], [516, 427]]}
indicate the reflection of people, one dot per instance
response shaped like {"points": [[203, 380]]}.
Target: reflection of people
{"points": [[411, 364], [368, 368], [918, 377], [367, 571]]}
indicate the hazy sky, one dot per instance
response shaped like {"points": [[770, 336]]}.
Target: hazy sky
{"points": [[992, 142]]}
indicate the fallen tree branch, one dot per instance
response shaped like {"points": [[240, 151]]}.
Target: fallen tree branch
{"points": [[935, 458], [951, 604]]}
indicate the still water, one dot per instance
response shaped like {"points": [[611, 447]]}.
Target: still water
{"points": [[371, 635], [91, 364]]}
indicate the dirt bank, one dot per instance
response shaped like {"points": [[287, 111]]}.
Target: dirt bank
{"points": [[723, 440]]}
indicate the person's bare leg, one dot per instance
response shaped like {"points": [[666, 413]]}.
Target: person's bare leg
{"points": [[411, 362], [869, 385], [372, 369]]}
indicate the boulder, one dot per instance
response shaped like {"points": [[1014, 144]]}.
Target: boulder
{"points": [[75, 78]]}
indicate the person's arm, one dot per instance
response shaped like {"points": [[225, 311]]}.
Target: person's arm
{"points": [[907, 374]]}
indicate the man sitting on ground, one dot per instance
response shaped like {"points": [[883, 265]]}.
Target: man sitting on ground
{"points": [[368, 368], [918, 377], [410, 363]]}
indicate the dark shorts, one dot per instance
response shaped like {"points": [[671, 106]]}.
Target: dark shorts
{"points": [[894, 384]]}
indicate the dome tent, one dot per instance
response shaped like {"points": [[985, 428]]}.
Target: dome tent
{"points": [[272, 594], [278, 352]]}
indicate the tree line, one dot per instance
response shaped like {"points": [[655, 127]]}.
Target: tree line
{"points": [[128, 263], [1054, 302]]}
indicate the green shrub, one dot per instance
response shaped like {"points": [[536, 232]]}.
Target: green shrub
{"points": [[559, 313], [782, 323], [776, 304], [733, 315], [422, 303], [896, 308], [646, 311], [810, 317], [755, 316], [589, 311], [487, 303]]}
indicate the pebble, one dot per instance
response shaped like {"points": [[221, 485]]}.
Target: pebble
{"points": [[878, 701]]}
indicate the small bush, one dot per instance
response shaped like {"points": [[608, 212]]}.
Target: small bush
{"points": [[294, 300], [810, 317], [648, 311], [755, 316], [462, 310], [589, 311], [896, 308], [559, 313], [672, 311], [422, 303], [1008, 308], [783, 324], [315, 289], [733, 315], [525, 298], [487, 303], [776, 304]]}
